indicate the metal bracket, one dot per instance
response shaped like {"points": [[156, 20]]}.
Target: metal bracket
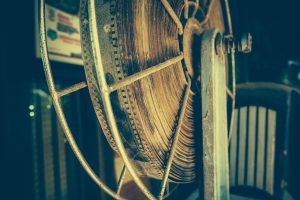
{"points": [[214, 119]]}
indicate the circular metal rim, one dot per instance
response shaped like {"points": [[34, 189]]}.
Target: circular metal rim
{"points": [[56, 95], [106, 96], [58, 107]]}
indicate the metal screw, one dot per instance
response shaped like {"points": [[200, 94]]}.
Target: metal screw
{"points": [[245, 43], [227, 44]]}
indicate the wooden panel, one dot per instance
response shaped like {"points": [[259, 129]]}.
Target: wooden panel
{"points": [[271, 151], [242, 145], [261, 145], [251, 133], [251, 145], [233, 154]]}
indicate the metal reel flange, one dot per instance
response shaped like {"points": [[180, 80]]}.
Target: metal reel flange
{"points": [[57, 95], [100, 85], [105, 91]]}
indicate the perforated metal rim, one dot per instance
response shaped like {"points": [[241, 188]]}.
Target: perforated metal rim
{"points": [[56, 95], [105, 92]]}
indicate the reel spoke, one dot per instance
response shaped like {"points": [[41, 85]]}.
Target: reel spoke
{"points": [[121, 179], [173, 15], [196, 3], [170, 192], [71, 89], [186, 9], [187, 6], [208, 12], [232, 59], [230, 93], [233, 99], [59, 109], [147, 72], [175, 140]]}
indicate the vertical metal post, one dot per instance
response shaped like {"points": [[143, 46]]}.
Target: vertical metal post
{"points": [[214, 119]]}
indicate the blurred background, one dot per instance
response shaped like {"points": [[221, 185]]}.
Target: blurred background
{"points": [[35, 160]]}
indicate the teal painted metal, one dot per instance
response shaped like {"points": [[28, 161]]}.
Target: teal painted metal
{"points": [[214, 119]]}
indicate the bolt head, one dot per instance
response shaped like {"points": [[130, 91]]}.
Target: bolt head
{"points": [[245, 43]]}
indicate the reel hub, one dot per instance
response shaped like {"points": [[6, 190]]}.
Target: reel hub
{"points": [[191, 47]]}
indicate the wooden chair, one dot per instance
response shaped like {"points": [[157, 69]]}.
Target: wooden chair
{"points": [[261, 150]]}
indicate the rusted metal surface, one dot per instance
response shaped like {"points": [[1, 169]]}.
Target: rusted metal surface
{"points": [[214, 119]]}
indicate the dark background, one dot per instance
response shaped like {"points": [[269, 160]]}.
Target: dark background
{"points": [[275, 29], [274, 25]]}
